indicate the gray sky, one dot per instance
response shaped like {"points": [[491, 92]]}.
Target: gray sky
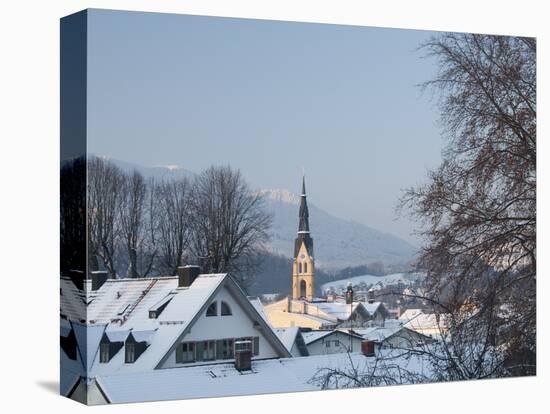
{"points": [[270, 98]]}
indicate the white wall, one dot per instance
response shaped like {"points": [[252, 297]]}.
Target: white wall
{"points": [[320, 348], [238, 325]]}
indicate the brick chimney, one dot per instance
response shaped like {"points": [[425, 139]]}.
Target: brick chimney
{"points": [[187, 275], [243, 355], [367, 348]]}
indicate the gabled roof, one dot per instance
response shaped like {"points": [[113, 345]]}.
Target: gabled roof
{"points": [[121, 308], [287, 336], [314, 336]]}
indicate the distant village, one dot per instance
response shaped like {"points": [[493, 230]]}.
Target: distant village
{"points": [[198, 335]]}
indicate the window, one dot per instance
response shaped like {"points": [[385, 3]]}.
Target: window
{"points": [[185, 352], [130, 356], [205, 350], [209, 350], [212, 309], [327, 344], [224, 349], [226, 310], [104, 356], [300, 267], [305, 267]]}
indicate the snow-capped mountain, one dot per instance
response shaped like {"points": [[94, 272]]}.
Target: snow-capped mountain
{"points": [[157, 172], [338, 242]]}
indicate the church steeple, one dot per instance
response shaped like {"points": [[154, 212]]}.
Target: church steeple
{"points": [[303, 226], [303, 267]]}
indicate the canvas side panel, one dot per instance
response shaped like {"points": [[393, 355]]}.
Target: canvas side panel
{"points": [[73, 263]]}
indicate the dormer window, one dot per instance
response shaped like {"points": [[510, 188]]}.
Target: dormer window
{"points": [[108, 348], [212, 309], [130, 356], [133, 349], [104, 352], [226, 309]]}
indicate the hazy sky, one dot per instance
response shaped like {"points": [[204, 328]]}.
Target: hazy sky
{"points": [[271, 98]]}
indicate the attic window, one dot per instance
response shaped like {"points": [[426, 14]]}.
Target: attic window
{"points": [[157, 309], [104, 353], [212, 309], [130, 356], [226, 309]]}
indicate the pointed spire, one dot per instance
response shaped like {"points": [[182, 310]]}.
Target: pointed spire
{"points": [[303, 226]]}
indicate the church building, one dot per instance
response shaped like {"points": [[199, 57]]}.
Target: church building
{"points": [[303, 267], [302, 308]]}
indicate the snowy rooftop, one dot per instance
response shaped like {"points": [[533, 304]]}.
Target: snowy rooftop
{"points": [[416, 319], [267, 376], [122, 307], [287, 336]]}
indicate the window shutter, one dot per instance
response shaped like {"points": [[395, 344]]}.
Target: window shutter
{"points": [[256, 345], [179, 353]]}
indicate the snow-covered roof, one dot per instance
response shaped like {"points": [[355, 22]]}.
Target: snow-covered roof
{"points": [[410, 314], [121, 307], [341, 310], [73, 300], [287, 336], [415, 318], [312, 336], [377, 333], [260, 308], [220, 380]]}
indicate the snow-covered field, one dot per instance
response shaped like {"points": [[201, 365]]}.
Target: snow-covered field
{"points": [[371, 280]]}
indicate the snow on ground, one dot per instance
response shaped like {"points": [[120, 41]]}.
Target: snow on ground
{"points": [[370, 280]]}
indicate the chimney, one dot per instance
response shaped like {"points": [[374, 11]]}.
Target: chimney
{"points": [[187, 275], [77, 277], [349, 293], [98, 277], [243, 355], [367, 348], [370, 295]]}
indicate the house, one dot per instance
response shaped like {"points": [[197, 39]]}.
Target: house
{"points": [[394, 335], [267, 376], [293, 340], [141, 325], [323, 342], [324, 314], [429, 324]]}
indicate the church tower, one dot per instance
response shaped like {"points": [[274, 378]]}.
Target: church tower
{"points": [[303, 266]]}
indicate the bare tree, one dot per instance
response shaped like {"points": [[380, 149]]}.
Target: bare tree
{"points": [[104, 181], [174, 233], [478, 208], [72, 214], [137, 224], [388, 367], [230, 225]]}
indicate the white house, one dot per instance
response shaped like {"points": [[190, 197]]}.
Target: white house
{"points": [[141, 325], [429, 324], [394, 335], [293, 340], [324, 342]]}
